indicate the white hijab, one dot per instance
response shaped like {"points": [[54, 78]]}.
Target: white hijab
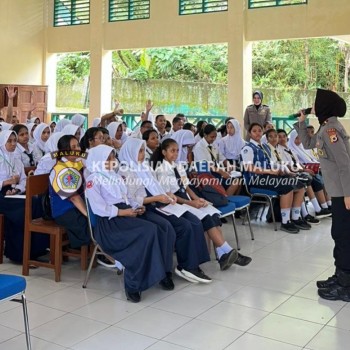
{"points": [[112, 130], [78, 120], [129, 155], [183, 138], [61, 124], [37, 135], [51, 143], [234, 143], [96, 122], [98, 155], [8, 157], [33, 119], [5, 126], [70, 129], [300, 151]]}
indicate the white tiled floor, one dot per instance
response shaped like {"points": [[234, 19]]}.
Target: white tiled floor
{"points": [[272, 304]]}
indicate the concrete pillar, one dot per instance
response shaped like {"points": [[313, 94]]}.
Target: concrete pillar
{"points": [[100, 64], [239, 61]]}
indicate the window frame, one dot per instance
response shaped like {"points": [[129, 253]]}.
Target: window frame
{"points": [[204, 3], [129, 2]]}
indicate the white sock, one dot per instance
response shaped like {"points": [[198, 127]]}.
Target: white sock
{"points": [[324, 205], [314, 202], [226, 248], [296, 213], [329, 203], [119, 265], [285, 214], [304, 211], [219, 252]]}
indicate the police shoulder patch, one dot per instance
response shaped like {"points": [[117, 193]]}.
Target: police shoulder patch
{"points": [[332, 134]]}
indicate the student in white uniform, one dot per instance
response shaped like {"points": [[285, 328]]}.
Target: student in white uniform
{"points": [[231, 145], [79, 120], [185, 141], [191, 248], [117, 135], [173, 179], [61, 124], [120, 231], [41, 134], [152, 143], [73, 130], [24, 150], [205, 150], [199, 127]]}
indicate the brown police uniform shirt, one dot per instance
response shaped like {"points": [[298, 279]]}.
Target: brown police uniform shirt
{"points": [[332, 142], [253, 115]]}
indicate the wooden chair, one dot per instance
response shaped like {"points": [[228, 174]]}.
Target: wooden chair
{"points": [[2, 238], [38, 185]]}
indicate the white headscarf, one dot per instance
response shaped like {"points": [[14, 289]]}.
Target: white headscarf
{"points": [[61, 124], [33, 119], [30, 127], [183, 138], [96, 122], [51, 143], [112, 130], [303, 155], [8, 157], [98, 155], [70, 129], [234, 143], [78, 120], [129, 154], [37, 135], [5, 126]]}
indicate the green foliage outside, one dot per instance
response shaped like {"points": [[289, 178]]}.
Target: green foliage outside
{"points": [[286, 70]]}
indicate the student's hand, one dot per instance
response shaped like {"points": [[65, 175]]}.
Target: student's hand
{"points": [[274, 172], [347, 202], [225, 174], [140, 210], [11, 93], [163, 198], [149, 106], [127, 212], [196, 203], [309, 171], [172, 197], [204, 202]]}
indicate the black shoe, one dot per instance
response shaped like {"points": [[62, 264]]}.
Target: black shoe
{"points": [[289, 227], [311, 220], [335, 293], [167, 282], [228, 259], [301, 224], [328, 283], [243, 260], [134, 297], [324, 213], [223, 220]]}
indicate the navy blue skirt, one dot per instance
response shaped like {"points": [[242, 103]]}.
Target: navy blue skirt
{"points": [[135, 243]]}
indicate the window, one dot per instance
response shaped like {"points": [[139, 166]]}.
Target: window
{"points": [[269, 3], [71, 12], [125, 10], [190, 7]]}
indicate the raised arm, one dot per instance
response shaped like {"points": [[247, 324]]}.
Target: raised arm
{"points": [[308, 142]]}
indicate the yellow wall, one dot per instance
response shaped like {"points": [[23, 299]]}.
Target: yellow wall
{"points": [[21, 41], [28, 37]]}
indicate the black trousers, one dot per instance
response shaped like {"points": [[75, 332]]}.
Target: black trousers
{"points": [[341, 234]]}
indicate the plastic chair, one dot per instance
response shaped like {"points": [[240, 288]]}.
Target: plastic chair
{"points": [[261, 196], [92, 220], [12, 288]]}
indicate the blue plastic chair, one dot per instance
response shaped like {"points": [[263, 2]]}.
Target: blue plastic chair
{"points": [[261, 196], [12, 288]]}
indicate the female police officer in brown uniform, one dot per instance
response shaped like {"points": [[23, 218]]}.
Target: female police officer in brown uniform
{"points": [[256, 113], [333, 146]]}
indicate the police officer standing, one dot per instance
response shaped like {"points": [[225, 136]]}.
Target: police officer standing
{"points": [[256, 113], [333, 146]]}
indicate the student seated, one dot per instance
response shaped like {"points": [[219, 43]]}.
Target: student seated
{"points": [[66, 193], [190, 245], [24, 150], [12, 182], [152, 143], [231, 145], [173, 179], [41, 134], [139, 245], [256, 162], [205, 150]]}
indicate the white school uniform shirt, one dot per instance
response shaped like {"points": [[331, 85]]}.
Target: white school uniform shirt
{"points": [[197, 138], [201, 152], [287, 158], [148, 154], [8, 167], [276, 159], [264, 139], [20, 154], [45, 165], [228, 150], [166, 176], [104, 190]]}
